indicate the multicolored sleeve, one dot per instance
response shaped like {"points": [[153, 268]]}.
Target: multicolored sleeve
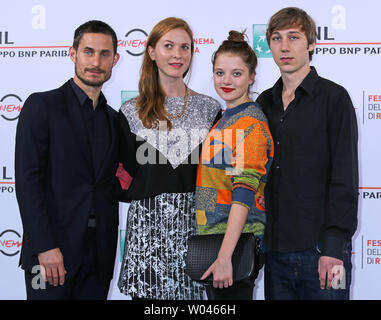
{"points": [[250, 161]]}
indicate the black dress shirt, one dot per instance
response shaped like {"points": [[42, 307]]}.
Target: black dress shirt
{"points": [[97, 127], [312, 190]]}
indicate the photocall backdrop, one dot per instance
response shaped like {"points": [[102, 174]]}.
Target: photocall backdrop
{"points": [[34, 40]]}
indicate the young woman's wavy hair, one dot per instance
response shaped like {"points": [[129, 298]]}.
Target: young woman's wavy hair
{"points": [[151, 99]]}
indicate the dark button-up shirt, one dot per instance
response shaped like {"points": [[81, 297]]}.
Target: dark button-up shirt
{"points": [[312, 192], [97, 125]]}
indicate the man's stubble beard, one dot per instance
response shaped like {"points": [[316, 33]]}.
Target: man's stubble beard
{"points": [[92, 83]]}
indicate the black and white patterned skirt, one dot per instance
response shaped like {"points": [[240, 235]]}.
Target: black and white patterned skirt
{"points": [[156, 242]]}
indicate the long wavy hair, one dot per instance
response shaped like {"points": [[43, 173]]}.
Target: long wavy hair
{"points": [[151, 99]]}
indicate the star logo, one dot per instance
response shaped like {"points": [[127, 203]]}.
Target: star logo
{"points": [[260, 44]]}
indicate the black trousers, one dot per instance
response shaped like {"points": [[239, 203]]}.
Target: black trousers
{"points": [[83, 286]]}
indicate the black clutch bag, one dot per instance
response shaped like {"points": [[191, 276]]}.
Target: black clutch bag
{"points": [[203, 251]]}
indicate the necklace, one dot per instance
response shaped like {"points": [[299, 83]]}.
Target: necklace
{"points": [[177, 117]]}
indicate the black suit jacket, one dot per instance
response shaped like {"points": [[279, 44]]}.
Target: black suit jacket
{"points": [[56, 187]]}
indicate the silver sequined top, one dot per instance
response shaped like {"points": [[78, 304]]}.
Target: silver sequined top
{"points": [[187, 132]]}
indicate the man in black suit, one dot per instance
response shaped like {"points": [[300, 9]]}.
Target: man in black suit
{"points": [[65, 163]]}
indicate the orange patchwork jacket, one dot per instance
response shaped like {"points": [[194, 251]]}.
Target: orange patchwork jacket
{"points": [[235, 159]]}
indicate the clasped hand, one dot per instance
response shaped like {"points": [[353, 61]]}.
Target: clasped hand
{"points": [[222, 271]]}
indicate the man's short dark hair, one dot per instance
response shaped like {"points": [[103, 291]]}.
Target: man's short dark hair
{"points": [[94, 26]]}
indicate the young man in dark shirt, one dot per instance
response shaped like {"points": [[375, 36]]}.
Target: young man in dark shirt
{"points": [[312, 192]]}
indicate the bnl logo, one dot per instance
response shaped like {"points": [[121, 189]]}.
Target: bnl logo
{"points": [[260, 44], [128, 94]]}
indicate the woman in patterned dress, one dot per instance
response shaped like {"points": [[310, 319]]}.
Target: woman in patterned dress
{"points": [[161, 131]]}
